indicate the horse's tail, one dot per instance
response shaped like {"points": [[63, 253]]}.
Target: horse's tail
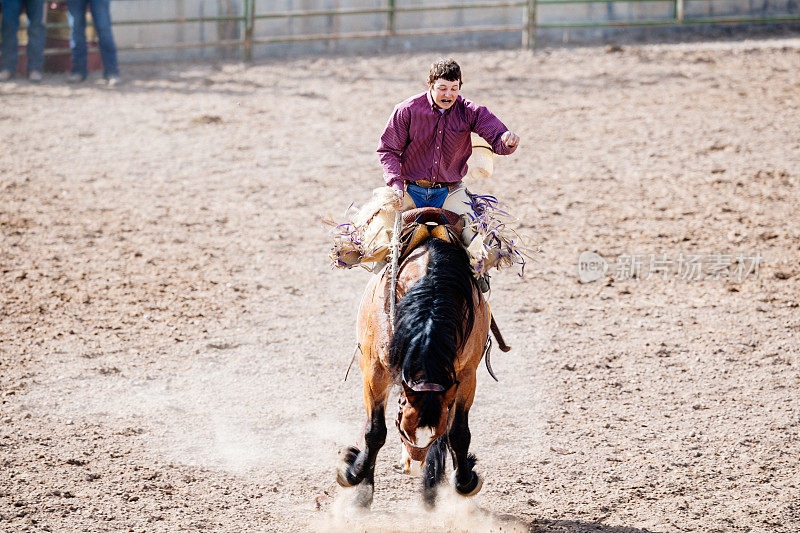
{"points": [[435, 317], [433, 472]]}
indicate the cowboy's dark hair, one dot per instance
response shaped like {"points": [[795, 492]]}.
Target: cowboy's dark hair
{"points": [[447, 69]]}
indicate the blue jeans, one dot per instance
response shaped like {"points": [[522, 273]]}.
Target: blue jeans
{"points": [[101, 14], [427, 197], [11, 12]]}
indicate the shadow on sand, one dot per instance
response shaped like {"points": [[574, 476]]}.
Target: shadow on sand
{"points": [[544, 525], [452, 514]]}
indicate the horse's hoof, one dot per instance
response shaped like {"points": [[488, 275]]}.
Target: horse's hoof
{"points": [[470, 489], [429, 497], [343, 475]]}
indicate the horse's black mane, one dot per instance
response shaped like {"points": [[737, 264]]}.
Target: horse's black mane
{"points": [[434, 318]]}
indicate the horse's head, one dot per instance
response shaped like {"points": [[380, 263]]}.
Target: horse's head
{"points": [[423, 415]]}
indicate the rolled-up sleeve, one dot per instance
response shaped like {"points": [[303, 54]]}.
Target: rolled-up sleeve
{"points": [[393, 141], [484, 123]]}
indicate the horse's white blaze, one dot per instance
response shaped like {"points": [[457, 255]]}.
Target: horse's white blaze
{"points": [[424, 436]]}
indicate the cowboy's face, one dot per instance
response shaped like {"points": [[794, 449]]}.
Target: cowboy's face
{"points": [[444, 92]]}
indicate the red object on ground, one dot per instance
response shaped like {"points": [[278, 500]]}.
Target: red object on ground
{"points": [[63, 62]]}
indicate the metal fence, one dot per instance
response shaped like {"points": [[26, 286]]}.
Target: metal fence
{"points": [[241, 36], [528, 24]]}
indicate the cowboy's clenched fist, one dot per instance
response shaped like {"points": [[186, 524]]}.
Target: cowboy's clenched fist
{"points": [[510, 139]]}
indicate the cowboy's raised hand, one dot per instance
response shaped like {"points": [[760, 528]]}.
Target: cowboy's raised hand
{"points": [[510, 139]]}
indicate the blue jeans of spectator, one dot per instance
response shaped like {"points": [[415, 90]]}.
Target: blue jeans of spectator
{"points": [[101, 15], [11, 12]]}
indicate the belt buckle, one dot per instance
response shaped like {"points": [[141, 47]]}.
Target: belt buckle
{"points": [[427, 184]]}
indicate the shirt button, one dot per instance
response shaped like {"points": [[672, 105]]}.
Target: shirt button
{"points": [[440, 131]]}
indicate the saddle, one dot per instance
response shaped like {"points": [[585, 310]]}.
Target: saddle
{"points": [[429, 222]]}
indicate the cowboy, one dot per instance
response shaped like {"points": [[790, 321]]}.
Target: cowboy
{"points": [[426, 144]]}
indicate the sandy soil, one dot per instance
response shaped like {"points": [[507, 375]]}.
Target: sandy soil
{"points": [[173, 341]]}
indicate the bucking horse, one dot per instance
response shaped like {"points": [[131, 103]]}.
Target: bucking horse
{"points": [[440, 334]]}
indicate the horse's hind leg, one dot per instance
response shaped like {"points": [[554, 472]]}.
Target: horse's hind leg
{"points": [[358, 466], [465, 480]]}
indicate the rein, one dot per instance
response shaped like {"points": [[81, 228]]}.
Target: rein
{"points": [[395, 245]]}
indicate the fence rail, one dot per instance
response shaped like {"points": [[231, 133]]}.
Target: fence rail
{"points": [[528, 25]]}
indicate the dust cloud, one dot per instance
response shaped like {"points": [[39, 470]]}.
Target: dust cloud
{"points": [[452, 514]]}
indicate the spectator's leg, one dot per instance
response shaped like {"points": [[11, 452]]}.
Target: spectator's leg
{"points": [[36, 35], [101, 14], [77, 20], [11, 12]]}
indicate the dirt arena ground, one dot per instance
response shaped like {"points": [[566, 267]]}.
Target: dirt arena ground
{"points": [[173, 341]]}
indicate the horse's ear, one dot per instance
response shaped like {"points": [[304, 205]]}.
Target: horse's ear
{"points": [[450, 395], [410, 393]]}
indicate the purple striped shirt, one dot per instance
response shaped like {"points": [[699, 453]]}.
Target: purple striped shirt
{"points": [[421, 143]]}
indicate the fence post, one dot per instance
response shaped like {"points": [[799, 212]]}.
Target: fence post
{"points": [[249, 23], [390, 24], [679, 11], [529, 37]]}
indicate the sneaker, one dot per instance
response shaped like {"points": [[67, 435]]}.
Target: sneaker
{"points": [[75, 77], [35, 76], [113, 81], [6, 75]]}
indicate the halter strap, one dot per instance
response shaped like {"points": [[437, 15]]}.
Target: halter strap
{"points": [[424, 386]]}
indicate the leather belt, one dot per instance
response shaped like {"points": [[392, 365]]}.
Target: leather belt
{"points": [[429, 184]]}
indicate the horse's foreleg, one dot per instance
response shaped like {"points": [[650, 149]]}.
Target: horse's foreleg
{"points": [[465, 480], [358, 466]]}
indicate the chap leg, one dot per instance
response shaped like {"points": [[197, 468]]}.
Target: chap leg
{"points": [[460, 203], [408, 204]]}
